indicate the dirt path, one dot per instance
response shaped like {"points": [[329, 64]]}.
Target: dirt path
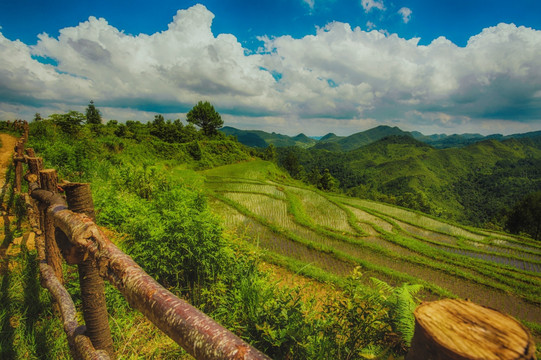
{"points": [[8, 245], [6, 152]]}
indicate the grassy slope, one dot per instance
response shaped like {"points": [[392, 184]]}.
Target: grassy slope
{"points": [[244, 188]]}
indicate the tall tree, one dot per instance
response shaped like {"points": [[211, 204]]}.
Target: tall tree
{"points": [[526, 216], [204, 116], [327, 181], [93, 115]]}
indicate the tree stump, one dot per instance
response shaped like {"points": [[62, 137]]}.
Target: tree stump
{"points": [[461, 330]]}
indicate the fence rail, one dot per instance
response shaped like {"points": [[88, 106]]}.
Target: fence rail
{"points": [[65, 230]]}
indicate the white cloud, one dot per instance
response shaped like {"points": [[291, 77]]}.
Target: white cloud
{"points": [[406, 14], [310, 3], [177, 66], [384, 76], [370, 25], [339, 79], [372, 4]]}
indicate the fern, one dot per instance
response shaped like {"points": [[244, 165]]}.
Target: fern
{"points": [[401, 303]]}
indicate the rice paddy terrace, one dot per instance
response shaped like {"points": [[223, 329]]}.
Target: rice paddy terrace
{"points": [[327, 236]]}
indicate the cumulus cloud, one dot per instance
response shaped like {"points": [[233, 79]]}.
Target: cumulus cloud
{"points": [[406, 14], [173, 68], [372, 4], [338, 78], [385, 77]]}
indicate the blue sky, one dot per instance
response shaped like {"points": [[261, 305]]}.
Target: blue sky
{"points": [[290, 66]]}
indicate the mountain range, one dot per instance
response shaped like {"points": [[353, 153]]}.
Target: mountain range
{"points": [[333, 142]]}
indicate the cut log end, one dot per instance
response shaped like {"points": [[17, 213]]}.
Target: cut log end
{"points": [[458, 329]]}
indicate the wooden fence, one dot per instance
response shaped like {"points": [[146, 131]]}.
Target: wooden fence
{"points": [[65, 229]]}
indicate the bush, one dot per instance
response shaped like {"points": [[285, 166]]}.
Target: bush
{"points": [[171, 231]]}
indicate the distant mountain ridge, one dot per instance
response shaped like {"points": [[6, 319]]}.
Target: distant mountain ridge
{"points": [[333, 142]]}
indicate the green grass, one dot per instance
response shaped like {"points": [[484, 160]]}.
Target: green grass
{"points": [[390, 242]]}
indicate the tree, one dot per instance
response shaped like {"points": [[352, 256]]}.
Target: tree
{"points": [[69, 122], [327, 181], [93, 115], [270, 153], [37, 117], [292, 165], [204, 116], [526, 216]]}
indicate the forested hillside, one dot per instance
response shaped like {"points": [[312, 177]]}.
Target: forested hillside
{"points": [[478, 184]]}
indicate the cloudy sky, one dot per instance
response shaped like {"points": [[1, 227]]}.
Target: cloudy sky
{"points": [[289, 66]]}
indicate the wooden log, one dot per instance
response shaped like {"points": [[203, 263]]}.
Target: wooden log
{"points": [[79, 198], [453, 329], [49, 182]]}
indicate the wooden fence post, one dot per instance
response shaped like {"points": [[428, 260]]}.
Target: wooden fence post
{"points": [[25, 131], [49, 182], [19, 151], [35, 165], [79, 198], [453, 329]]}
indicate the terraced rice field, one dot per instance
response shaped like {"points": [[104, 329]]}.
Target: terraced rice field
{"points": [[337, 234]]}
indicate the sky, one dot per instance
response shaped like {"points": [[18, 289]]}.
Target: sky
{"points": [[288, 66]]}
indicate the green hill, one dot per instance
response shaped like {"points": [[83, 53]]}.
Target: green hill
{"points": [[365, 137], [454, 183], [258, 138]]}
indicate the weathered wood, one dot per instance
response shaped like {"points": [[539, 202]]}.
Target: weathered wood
{"points": [[79, 198], [19, 152], [35, 165], [80, 345], [452, 329], [26, 128], [49, 182], [32, 214], [30, 152], [198, 334]]}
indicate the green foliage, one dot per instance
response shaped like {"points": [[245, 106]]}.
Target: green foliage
{"points": [[28, 331], [285, 325], [401, 303], [269, 153], [273, 319], [327, 182], [526, 216], [92, 114], [204, 116], [291, 163], [475, 184], [70, 123], [171, 232], [366, 324]]}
